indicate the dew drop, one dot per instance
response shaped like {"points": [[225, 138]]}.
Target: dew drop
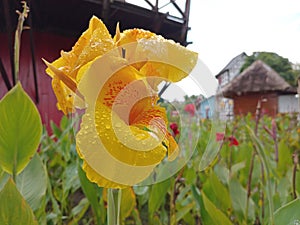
{"points": [[118, 125]]}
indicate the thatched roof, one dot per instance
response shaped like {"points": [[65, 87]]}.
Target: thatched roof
{"points": [[258, 77]]}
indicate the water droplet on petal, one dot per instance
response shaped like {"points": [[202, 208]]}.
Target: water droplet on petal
{"points": [[118, 125]]}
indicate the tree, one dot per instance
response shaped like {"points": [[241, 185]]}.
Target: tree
{"points": [[278, 63]]}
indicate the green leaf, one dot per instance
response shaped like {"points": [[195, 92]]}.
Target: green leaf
{"points": [[284, 157], [79, 210], [237, 167], [215, 214], [288, 214], [55, 129], [3, 178], [196, 195], [91, 191], [136, 217], [211, 151], [32, 182], [13, 208], [20, 130], [263, 157], [220, 192], [184, 210], [128, 203], [239, 200], [157, 196]]}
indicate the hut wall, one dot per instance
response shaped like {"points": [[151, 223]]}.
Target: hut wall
{"points": [[288, 104], [248, 103], [47, 46]]}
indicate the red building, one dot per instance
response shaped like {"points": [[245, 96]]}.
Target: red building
{"points": [[56, 25], [258, 82]]}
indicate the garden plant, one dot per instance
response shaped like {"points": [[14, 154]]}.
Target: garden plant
{"points": [[126, 158]]}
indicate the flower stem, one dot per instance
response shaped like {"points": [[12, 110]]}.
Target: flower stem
{"points": [[296, 161], [17, 45], [114, 197]]}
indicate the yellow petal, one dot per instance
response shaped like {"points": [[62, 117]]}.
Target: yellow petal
{"points": [[64, 96], [145, 113], [173, 149], [94, 42], [101, 181], [128, 40], [93, 149], [128, 144], [133, 35], [155, 56], [166, 59]]}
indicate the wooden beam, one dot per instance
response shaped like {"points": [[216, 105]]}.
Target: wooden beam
{"points": [[32, 50], [4, 75], [7, 16]]}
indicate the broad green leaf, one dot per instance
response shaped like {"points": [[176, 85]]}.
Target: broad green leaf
{"points": [[211, 151], [140, 190], [156, 221], [32, 182], [55, 129], [13, 208], [196, 195], [128, 203], [183, 211], [205, 217], [263, 157], [3, 178], [220, 192], [79, 210], [283, 189], [20, 130], [136, 216], [91, 191], [222, 173], [157, 195], [236, 167], [288, 214], [284, 157], [239, 200], [215, 214]]}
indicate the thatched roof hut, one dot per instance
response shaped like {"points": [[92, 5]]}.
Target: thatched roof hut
{"points": [[257, 78], [258, 82]]}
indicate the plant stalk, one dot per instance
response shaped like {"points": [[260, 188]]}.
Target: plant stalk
{"points": [[114, 197], [22, 16], [296, 161], [249, 183]]}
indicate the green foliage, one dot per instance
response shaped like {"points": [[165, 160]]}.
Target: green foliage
{"points": [[216, 215], [280, 64], [20, 130], [212, 189], [288, 214], [32, 183], [13, 207]]}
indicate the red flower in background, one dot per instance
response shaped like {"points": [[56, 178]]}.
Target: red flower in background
{"points": [[174, 128], [190, 108], [220, 136], [232, 140]]}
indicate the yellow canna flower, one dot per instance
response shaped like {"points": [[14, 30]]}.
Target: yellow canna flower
{"points": [[123, 134], [94, 42]]}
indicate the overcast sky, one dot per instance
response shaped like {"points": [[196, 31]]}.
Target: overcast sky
{"points": [[222, 29]]}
